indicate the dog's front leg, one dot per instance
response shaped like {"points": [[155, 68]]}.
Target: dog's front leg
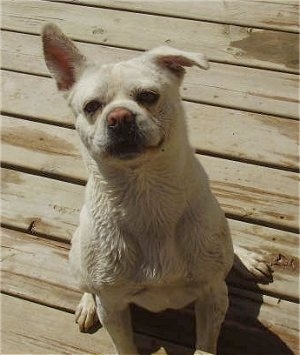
{"points": [[210, 309], [117, 321], [85, 315]]}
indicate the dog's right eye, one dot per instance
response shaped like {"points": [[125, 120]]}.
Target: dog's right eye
{"points": [[91, 107]]}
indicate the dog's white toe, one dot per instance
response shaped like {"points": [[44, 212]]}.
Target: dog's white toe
{"points": [[86, 315], [200, 352], [259, 268], [254, 263]]}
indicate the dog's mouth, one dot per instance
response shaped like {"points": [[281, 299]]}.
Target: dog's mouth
{"points": [[124, 150], [128, 150], [126, 141], [128, 136]]}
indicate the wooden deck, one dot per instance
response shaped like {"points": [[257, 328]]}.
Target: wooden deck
{"points": [[243, 121]]}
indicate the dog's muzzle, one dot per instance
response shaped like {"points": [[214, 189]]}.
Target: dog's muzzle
{"points": [[124, 139]]}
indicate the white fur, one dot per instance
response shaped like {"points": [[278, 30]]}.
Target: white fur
{"points": [[151, 232]]}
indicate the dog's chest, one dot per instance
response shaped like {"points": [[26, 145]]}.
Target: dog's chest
{"points": [[160, 260], [139, 256], [134, 239]]}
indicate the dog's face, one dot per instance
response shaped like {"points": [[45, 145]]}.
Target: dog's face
{"points": [[125, 110]]}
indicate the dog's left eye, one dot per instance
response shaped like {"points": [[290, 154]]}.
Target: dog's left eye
{"points": [[147, 97], [91, 107]]}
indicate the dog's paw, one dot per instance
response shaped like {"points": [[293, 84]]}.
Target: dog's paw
{"points": [[258, 266], [85, 314], [252, 264]]}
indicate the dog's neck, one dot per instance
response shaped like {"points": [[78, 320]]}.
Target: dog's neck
{"points": [[156, 187], [145, 174]]}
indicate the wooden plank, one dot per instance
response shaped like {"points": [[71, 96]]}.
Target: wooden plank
{"points": [[44, 206], [17, 97], [31, 266], [252, 192], [29, 328], [225, 85], [52, 150], [205, 125], [242, 136], [221, 42], [281, 249], [264, 14], [256, 313], [21, 254], [245, 191]]}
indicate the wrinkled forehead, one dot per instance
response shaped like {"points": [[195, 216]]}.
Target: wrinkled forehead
{"points": [[119, 78], [133, 73]]}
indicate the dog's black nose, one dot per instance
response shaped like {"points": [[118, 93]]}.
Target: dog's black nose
{"points": [[121, 120]]}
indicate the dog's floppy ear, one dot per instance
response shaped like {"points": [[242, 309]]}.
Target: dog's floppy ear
{"points": [[175, 59], [62, 57]]}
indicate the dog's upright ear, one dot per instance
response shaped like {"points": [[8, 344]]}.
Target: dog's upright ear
{"points": [[175, 60], [62, 57]]}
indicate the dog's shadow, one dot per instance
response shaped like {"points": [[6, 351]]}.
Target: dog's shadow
{"points": [[241, 334]]}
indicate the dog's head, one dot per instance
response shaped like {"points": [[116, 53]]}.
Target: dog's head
{"points": [[124, 110]]}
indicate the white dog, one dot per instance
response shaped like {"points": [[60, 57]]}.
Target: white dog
{"points": [[151, 232]]}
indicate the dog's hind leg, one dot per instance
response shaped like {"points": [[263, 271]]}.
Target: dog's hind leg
{"points": [[210, 311], [116, 318], [86, 315]]}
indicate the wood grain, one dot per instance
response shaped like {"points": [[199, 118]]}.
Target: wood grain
{"points": [[44, 330], [245, 108], [42, 264], [27, 204], [259, 194], [264, 14], [241, 131], [280, 248], [261, 91], [50, 207], [243, 134], [220, 42]]}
